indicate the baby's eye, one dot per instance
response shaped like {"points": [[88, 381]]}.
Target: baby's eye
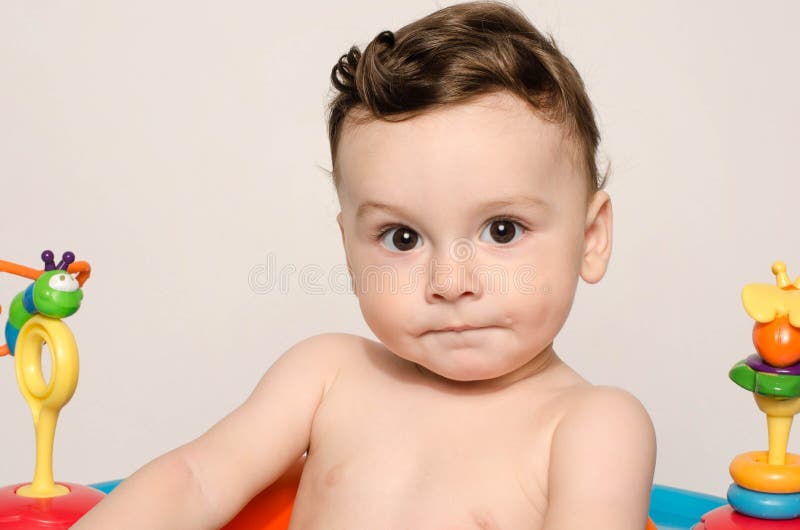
{"points": [[400, 239], [502, 231]]}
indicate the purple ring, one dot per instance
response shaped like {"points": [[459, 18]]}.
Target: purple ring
{"points": [[759, 365]]}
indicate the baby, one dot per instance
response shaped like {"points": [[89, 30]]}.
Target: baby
{"points": [[463, 150]]}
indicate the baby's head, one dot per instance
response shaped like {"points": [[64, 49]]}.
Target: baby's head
{"points": [[463, 150]]}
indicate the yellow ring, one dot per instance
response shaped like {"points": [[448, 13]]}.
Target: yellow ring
{"points": [[45, 398], [752, 471], [63, 367]]}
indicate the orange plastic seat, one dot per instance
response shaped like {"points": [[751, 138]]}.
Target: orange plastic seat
{"points": [[272, 508]]}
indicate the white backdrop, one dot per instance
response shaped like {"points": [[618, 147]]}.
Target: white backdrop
{"points": [[179, 145]]}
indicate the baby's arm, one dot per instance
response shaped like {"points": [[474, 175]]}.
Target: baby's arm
{"points": [[601, 464], [206, 482]]}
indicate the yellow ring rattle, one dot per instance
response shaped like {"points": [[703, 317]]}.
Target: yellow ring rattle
{"points": [[752, 470], [45, 398]]}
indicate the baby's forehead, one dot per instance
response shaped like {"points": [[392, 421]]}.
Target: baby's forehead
{"points": [[491, 138]]}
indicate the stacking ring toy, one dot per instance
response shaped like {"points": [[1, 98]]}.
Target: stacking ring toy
{"points": [[752, 471], [764, 505]]}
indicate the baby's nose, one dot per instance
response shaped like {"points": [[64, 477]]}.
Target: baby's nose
{"points": [[451, 273]]}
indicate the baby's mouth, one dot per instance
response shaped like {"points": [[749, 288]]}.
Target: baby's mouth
{"points": [[460, 329]]}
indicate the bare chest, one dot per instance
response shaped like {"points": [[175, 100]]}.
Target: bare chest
{"points": [[394, 455]]}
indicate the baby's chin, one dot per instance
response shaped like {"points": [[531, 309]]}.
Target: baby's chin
{"points": [[486, 367], [493, 355], [460, 375], [465, 368]]}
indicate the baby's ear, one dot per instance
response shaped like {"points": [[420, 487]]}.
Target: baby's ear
{"points": [[344, 245], [344, 237], [341, 226], [597, 237]]}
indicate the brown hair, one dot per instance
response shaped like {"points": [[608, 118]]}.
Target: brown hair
{"points": [[453, 56]]}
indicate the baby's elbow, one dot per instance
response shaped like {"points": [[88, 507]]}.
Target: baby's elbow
{"points": [[201, 498]]}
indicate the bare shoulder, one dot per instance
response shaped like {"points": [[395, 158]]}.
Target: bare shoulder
{"points": [[341, 348], [328, 352], [606, 414], [337, 343], [607, 402], [602, 457], [331, 344]]}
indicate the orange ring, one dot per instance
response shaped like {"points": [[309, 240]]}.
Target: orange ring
{"points": [[751, 470]]}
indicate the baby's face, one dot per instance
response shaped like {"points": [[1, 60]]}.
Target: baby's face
{"points": [[473, 215]]}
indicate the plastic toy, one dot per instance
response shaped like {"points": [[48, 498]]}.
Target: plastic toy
{"points": [[765, 494], [34, 319]]}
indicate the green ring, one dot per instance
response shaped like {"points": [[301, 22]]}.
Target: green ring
{"points": [[766, 384]]}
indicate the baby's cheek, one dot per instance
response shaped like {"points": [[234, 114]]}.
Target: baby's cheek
{"points": [[555, 300], [382, 313], [543, 301]]}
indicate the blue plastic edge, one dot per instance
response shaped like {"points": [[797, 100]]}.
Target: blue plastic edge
{"points": [[680, 508], [106, 487]]}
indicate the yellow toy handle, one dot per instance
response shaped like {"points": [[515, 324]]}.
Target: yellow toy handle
{"points": [[45, 398], [780, 413]]}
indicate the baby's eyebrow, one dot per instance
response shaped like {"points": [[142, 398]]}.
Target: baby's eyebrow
{"points": [[533, 202], [366, 206]]}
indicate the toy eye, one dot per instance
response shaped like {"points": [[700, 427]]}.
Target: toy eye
{"points": [[401, 239], [502, 231], [63, 282]]}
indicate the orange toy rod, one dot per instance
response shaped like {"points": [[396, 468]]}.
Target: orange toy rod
{"points": [[19, 270], [83, 269]]}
